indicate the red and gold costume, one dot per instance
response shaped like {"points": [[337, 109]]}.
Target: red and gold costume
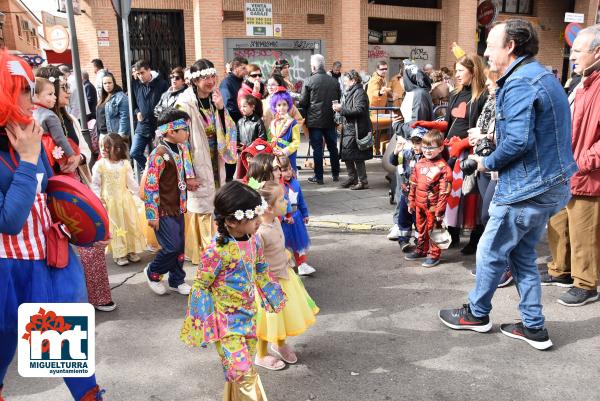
{"points": [[430, 185]]}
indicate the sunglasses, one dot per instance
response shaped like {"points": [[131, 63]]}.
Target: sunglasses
{"points": [[256, 75], [430, 147], [383, 69], [176, 77]]}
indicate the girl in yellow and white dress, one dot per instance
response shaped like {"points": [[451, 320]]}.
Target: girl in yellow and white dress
{"points": [[300, 310], [113, 183]]}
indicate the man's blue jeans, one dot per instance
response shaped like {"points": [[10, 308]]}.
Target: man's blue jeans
{"points": [[138, 147], [509, 239], [316, 141]]}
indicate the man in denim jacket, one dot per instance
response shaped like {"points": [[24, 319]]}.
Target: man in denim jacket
{"points": [[534, 161]]}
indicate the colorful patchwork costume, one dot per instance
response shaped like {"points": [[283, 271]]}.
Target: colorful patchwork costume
{"points": [[222, 310], [165, 198]]}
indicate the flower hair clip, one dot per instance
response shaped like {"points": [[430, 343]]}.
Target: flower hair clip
{"points": [[52, 79], [251, 213]]}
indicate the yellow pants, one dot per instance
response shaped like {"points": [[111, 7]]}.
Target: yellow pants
{"points": [[574, 239]]}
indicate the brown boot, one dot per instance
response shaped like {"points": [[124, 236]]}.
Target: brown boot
{"points": [[93, 394]]}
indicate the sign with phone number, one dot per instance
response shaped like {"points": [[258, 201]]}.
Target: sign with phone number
{"points": [[259, 19]]}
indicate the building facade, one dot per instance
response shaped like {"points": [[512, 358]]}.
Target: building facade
{"points": [[177, 32], [19, 28]]}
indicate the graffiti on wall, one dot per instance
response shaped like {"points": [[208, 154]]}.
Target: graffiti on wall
{"points": [[418, 53], [265, 58]]}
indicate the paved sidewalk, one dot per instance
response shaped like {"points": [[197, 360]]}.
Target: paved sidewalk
{"points": [[333, 207]]}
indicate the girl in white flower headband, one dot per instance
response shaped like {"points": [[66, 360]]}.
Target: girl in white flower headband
{"points": [[232, 275]]}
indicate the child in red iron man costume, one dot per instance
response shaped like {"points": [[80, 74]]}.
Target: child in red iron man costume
{"points": [[430, 185], [24, 219]]}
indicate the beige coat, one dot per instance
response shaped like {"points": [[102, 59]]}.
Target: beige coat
{"points": [[201, 200]]}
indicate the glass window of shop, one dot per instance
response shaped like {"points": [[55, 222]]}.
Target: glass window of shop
{"points": [[408, 3]]}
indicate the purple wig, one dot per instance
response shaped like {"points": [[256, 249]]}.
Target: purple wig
{"points": [[278, 96]]}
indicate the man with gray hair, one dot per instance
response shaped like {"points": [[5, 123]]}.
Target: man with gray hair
{"points": [[574, 232], [318, 94]]}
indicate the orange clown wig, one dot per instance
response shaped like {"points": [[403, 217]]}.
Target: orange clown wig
{"points": [[16, 77]]}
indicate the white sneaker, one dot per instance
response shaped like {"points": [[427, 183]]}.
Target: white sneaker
{"points": [[156, 286], [183, 289], [305, 269], [394, 233]]}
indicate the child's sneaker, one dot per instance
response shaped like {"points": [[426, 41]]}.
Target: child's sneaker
{"points": [[430, 262], [414, 256], [305, 269], [183, 289], [122, 261], [156, 286], [405, 245], [133, 257]]}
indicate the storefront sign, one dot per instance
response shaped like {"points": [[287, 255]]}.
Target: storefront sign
{"points": [[389, 37], [58, 38], [259, 19], [103, 38], [486, 13], [374, 36], [574, 17]]}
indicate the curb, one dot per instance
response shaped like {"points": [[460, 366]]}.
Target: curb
{"points": [[349, 226]]}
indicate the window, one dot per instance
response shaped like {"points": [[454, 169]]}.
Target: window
{"points": [[19, 27], [514, 6]]}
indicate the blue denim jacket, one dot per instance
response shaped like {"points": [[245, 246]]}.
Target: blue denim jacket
{"points": [[533, 133], [117, 114]]}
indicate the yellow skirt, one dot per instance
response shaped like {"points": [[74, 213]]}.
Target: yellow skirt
{"points": [[199, 232], [295, 318], [148, 231]]}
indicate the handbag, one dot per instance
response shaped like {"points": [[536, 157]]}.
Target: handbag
{"points": [[57, 246], [365, 143], [469, 184]]}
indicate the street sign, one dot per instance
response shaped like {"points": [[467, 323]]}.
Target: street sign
{"points": [[574, 17], [486, 13], [571, 32], [58, 38], [62, 6], [103, 38]]}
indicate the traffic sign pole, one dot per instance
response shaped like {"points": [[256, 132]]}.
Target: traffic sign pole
{"points": [[77, 70]]}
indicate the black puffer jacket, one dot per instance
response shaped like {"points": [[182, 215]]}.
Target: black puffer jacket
{"points": [[355, 111], [319, 91]]}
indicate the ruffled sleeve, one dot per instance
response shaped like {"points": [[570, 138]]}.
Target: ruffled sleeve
{"points": [[203, 322], [271, 295]]}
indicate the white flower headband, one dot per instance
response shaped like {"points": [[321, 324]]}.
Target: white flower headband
{"points": [[52, 79], [249, 214], [207, 72]]}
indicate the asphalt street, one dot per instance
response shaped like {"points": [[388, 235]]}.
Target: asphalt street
{"points": [[377, 337]]}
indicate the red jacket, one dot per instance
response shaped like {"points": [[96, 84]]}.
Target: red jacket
{"points": [[430, 185], [586, 135]]}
